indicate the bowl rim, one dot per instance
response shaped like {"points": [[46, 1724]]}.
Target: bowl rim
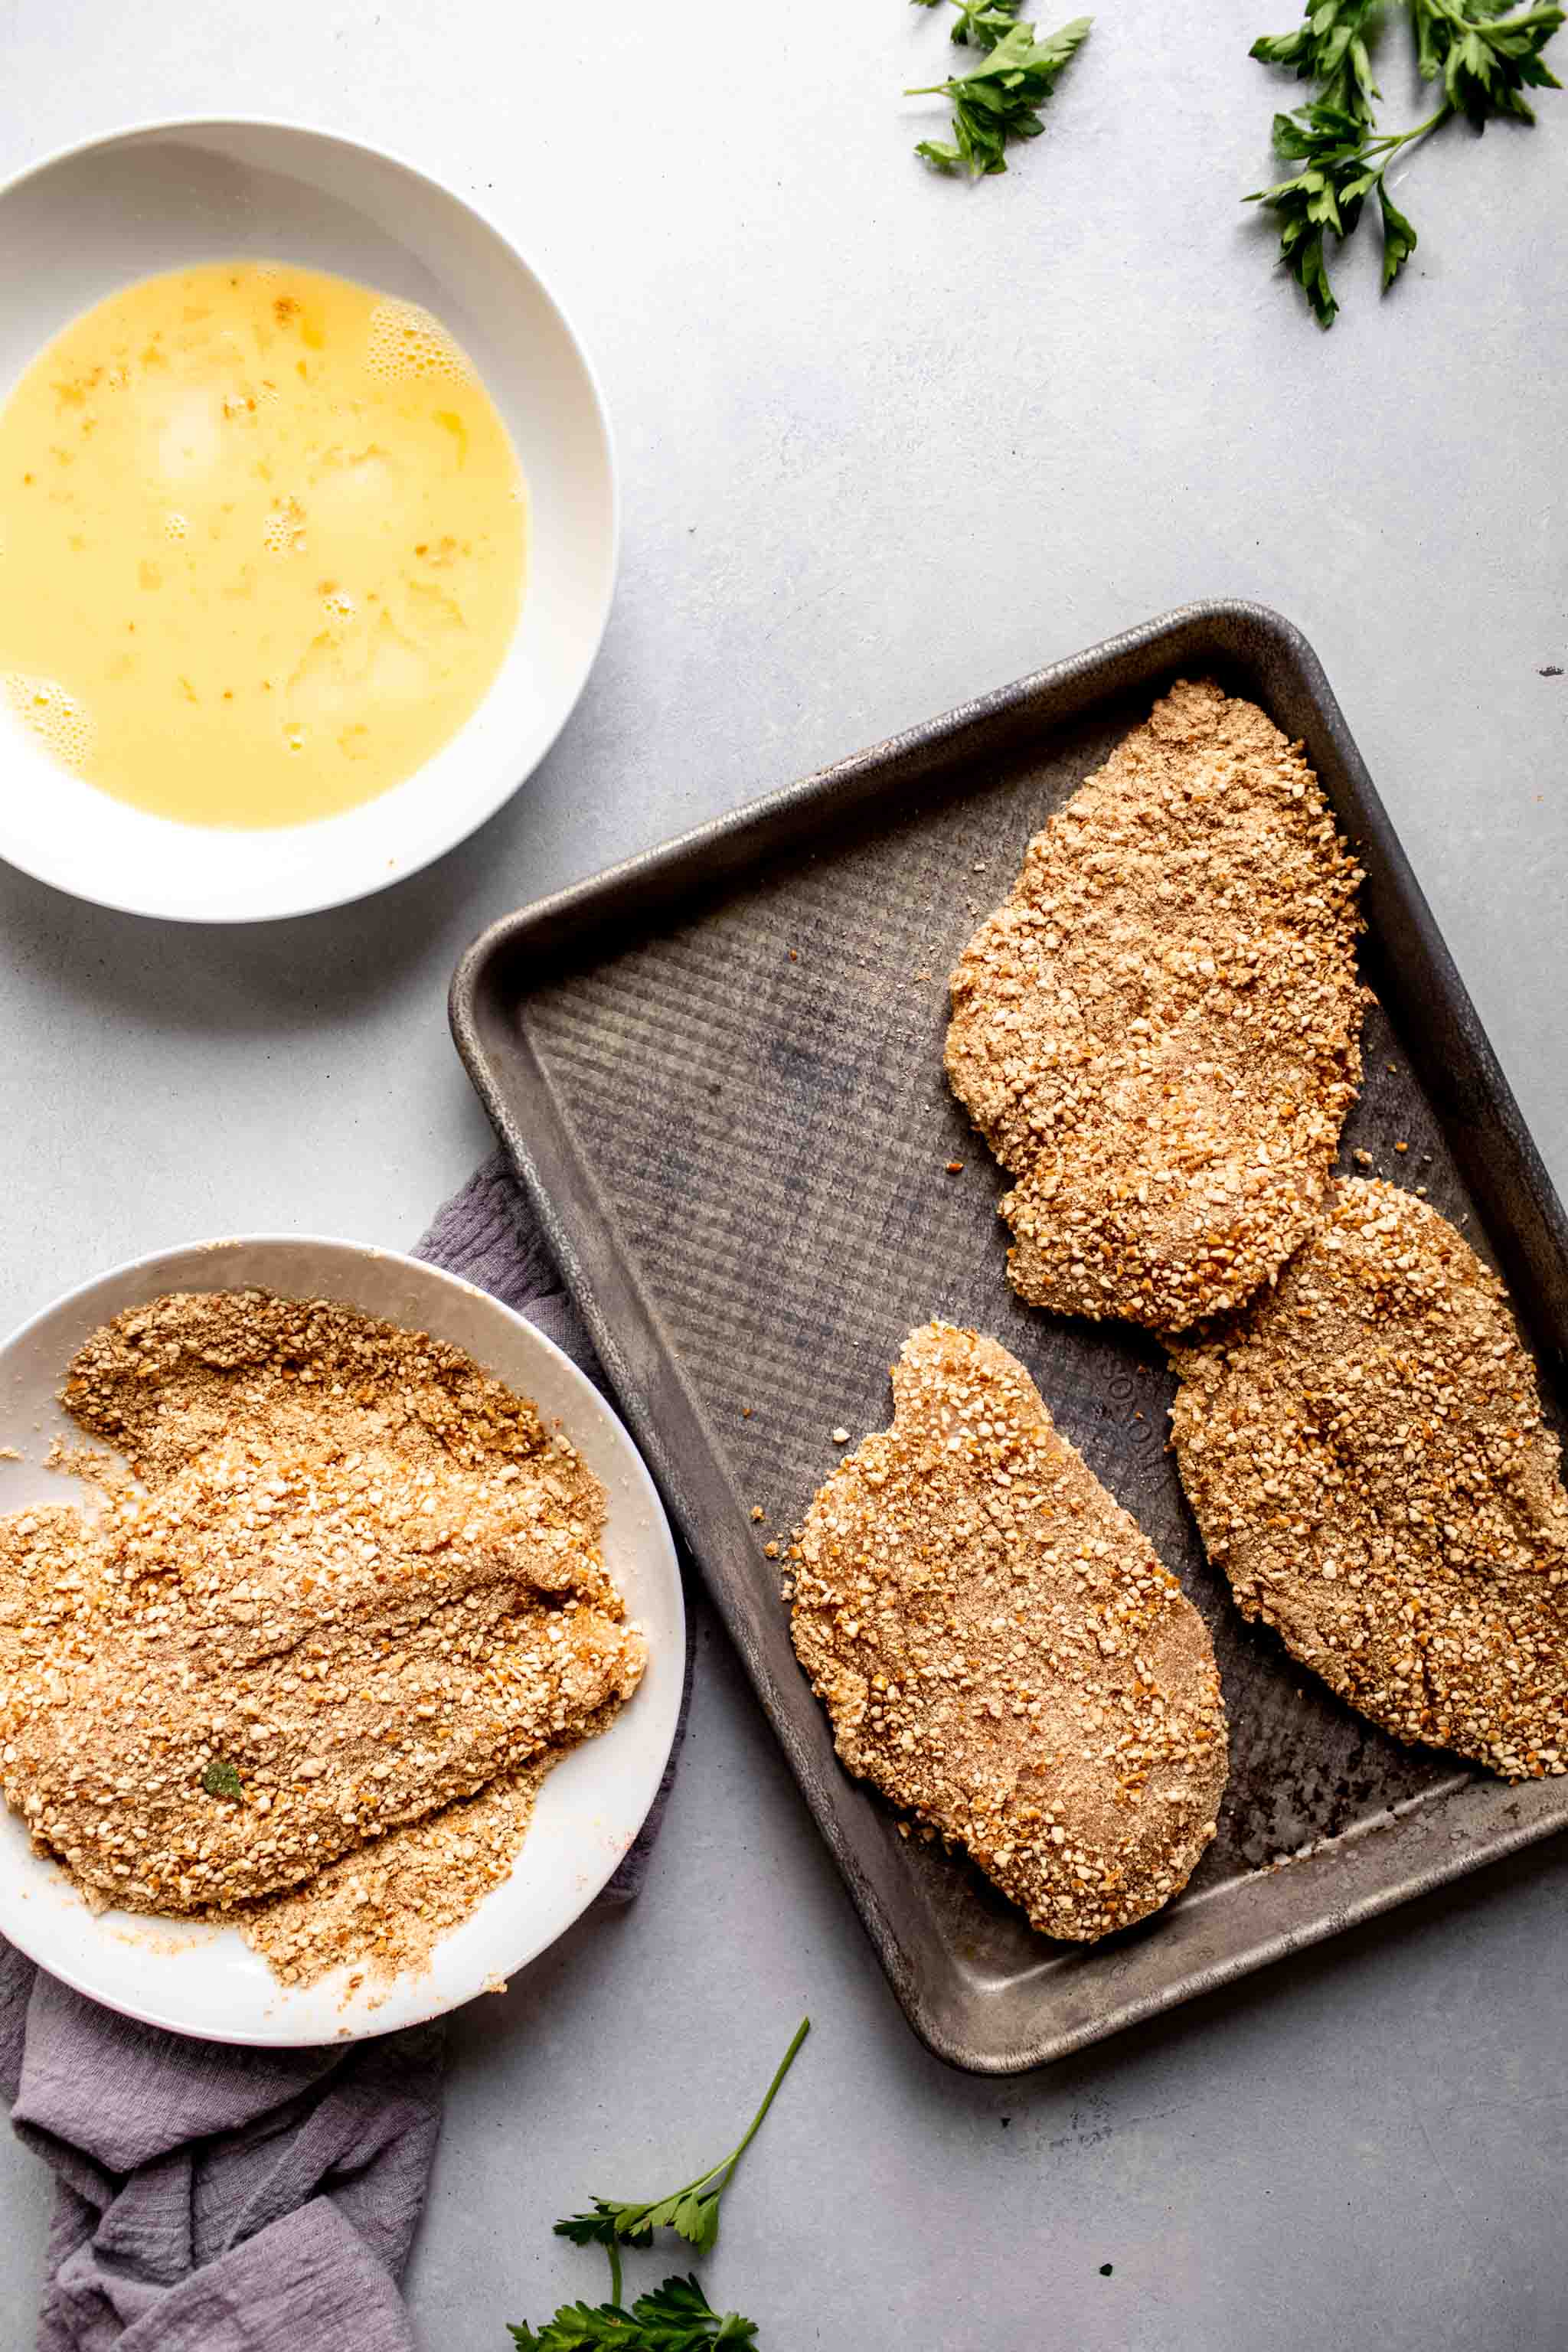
{"points": [[306, 902], [389, 2015]]}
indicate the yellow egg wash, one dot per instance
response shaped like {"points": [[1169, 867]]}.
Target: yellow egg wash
{"points": [[262, 540]]}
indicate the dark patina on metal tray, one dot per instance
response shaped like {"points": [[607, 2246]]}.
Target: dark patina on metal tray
{"points": [[718, 1070]]}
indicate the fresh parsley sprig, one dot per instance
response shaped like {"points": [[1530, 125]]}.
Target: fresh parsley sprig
{"points": [[676, 2318], [997, 100], [1486, 59], [1342, 164], [690, 2210]]}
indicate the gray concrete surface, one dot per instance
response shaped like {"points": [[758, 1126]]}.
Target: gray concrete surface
{"points": [[886, 442]]}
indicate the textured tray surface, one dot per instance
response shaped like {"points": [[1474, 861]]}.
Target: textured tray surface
{"points": [[738, 1119]]}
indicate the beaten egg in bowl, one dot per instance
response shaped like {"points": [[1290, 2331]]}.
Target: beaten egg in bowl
{"points": [[262, 544]]}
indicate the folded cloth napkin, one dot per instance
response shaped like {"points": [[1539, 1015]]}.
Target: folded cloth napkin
{"points": [[216, 2199]]}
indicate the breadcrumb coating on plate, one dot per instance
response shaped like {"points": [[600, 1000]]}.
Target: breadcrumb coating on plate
{"points": [[359, 1583]]}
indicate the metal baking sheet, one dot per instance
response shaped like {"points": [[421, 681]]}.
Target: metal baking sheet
{"points": [[718, 1070]]}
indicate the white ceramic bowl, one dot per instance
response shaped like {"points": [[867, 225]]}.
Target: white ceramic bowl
{"points": [[201, 1980], [100, 216]]}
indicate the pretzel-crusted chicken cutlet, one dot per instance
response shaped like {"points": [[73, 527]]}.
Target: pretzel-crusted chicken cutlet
{"points": [[361, 1581], [1002, 1653], [1366, 1455], [1157, 1035]]}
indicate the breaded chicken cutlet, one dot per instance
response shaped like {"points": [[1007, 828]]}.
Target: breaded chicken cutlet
{"points": [[281, 1654], [1002, 1653], [360, 1579], [1157, 1035], [1366, 1455]]}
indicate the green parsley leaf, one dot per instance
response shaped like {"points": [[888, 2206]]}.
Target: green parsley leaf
{"points": [[1398, 237], [601, 2227], [1329, 47], [222, 1778], [675, 2318], [1486, 58], [997, 100], [1430, 41], [982, 23]]}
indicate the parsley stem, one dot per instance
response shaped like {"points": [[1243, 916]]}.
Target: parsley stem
{"points": [[773, 2091], [1403, 138], [615, 2253], [726, 2164]]}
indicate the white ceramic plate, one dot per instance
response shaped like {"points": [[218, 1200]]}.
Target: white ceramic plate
{"points": [[100, 216], [205, 1980]]}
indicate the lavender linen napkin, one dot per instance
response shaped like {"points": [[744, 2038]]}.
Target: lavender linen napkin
{"points": [[215, 2199]]}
